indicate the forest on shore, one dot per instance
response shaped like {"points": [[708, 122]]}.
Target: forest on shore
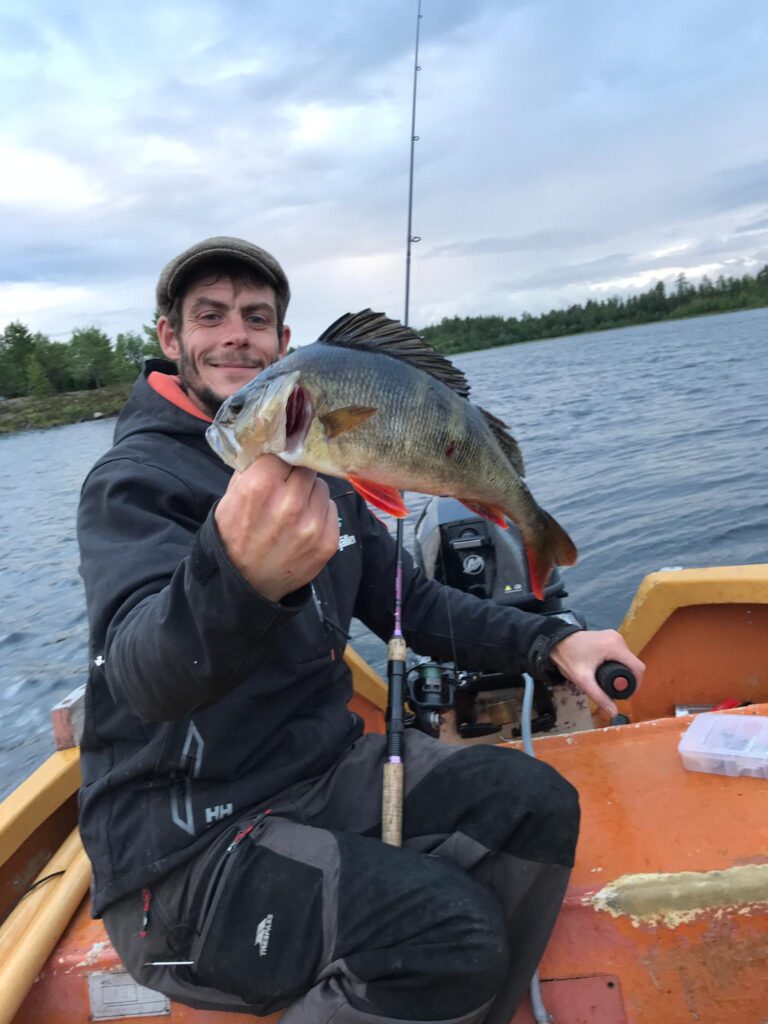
{"points": [[47, 383], [724, 295]]}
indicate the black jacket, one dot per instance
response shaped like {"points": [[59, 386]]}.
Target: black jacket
{"points": [[205, 698]]}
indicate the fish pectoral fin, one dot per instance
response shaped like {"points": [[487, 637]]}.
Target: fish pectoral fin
{"points": [[492, 512], [386, 498], [340, 420]]}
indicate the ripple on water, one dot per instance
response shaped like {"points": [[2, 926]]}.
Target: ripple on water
{"points": [[15, 637]]}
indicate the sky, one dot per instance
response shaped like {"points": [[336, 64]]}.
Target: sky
{"points": [[568, 149]]}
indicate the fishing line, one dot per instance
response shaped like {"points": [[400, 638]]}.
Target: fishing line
{"points": [[392, 794]]}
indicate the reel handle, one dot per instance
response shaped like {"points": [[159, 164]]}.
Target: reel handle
{"points": [[616, 680]]}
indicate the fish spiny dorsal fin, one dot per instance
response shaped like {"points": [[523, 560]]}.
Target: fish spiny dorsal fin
{"points": [[375, 332], [508, 444]]}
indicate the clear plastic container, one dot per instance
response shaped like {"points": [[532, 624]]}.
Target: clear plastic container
{"points": [[727, 745]]}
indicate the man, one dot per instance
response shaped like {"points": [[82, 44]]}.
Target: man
{"points": [[230, 806]]}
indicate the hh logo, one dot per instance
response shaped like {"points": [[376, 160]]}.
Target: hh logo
{"points": [[217, 813], [263, 930]]}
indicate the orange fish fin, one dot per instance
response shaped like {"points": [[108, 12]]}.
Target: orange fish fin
{"points": [[539, 575], [386, 498], [492, 512], [340, 420], [550, 546]]}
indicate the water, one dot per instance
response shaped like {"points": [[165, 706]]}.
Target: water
{"points": [[648, 444]]}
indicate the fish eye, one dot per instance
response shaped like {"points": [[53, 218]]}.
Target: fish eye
{"points": [[236, 404]]}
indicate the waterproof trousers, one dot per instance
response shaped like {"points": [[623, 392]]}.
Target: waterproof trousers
{"points": [[300, 907]]}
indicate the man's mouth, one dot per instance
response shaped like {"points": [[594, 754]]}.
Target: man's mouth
{"points": [[239, 365]]}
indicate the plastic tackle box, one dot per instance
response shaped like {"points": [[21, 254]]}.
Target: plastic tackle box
{"points": [[727, 745]]}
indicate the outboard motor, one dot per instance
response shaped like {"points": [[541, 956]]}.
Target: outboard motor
{"points": [[455, 546], [466, 551]]}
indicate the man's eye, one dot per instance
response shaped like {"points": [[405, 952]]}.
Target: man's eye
{"points": [[210, 318], [259, 321]]}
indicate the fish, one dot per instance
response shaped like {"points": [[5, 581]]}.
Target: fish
{"points": [[372, 402]]}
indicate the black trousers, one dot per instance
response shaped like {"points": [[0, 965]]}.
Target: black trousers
{"points": [[301, 907]]}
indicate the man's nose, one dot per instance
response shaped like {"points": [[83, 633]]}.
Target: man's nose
{"points": [[236, 333]]}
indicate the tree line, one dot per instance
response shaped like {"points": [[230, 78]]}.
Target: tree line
{"points": [[726, 294], [32, 364]]}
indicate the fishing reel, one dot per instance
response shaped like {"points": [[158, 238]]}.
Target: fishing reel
{"points": [[431, 690], [434, 688]]}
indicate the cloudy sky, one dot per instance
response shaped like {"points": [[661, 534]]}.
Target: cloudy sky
{"points": [[568, 149]]}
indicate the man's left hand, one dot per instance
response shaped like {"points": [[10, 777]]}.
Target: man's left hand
{"points": [[579, 656]]}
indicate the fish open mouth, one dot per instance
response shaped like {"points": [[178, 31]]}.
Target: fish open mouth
{"points": [[298, 416]]}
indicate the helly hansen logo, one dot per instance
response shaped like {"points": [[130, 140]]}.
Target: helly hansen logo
{"points": [[263, 930], [217, 813]]}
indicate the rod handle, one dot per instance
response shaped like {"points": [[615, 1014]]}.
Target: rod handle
{"points": [[392, 804]]}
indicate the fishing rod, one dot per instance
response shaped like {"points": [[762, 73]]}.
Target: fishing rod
{"points": [[392, 792]]}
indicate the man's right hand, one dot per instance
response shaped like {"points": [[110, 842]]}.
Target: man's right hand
{"points": [[278, 525]]}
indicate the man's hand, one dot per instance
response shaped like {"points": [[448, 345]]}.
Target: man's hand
{"points": [[579, 656], [278, 525]]}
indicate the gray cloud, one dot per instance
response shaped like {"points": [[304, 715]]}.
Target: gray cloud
{"points": [[737, 186], [761, 224], [535, 241]]}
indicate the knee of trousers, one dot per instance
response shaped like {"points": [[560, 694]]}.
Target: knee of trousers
{"points": [[439, 950], [505, 800], [473, 959]]}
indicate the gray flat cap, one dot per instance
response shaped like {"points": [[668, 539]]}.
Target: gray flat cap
{"points": [[221, 247]]}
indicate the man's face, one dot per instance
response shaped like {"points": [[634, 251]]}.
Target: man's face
{"points": [[228, 335]]}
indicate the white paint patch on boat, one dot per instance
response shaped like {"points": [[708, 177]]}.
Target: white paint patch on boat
{"points": [[93, 954]]}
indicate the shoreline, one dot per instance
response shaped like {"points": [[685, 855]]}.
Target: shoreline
{"points": [[39, 412]]}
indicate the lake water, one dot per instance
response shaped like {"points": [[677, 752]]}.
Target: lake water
{"points": [[648, 444]]}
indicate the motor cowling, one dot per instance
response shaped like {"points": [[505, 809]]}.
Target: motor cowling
{"points": [[460, 548], [455, 546]]}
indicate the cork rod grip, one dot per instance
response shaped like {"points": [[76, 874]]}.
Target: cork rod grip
{"points": [[392, 804]]}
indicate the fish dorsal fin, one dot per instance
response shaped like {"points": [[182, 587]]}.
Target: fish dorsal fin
{"points": [[508, 444], [377, 333]]}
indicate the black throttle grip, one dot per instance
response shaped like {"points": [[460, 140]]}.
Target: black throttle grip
{"points": [[611, 673]]}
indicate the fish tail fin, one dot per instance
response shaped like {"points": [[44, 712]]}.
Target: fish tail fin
{"points": [[545, 546]]}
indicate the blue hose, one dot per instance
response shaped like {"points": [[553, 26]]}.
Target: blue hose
{"points": [[540, 1012]]}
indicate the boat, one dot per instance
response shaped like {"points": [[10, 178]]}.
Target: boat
{"points": [[665, 916]]}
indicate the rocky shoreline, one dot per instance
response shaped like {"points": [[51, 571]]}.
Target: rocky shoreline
{"points": [[41, 411]]}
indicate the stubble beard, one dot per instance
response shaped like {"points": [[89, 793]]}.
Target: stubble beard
{"points": [[207, 397]]}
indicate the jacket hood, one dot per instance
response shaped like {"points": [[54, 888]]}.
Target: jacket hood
{"points": [[146, 411]]}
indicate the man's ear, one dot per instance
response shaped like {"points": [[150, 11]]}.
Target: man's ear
{"points": [[168, 340], [284, 341]]}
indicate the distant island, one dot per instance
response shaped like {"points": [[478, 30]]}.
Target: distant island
{"points": [[45, 383]]}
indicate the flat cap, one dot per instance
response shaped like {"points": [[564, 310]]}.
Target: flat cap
{"points": [[221, 247]]}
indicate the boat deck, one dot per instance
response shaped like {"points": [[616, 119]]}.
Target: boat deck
{"points": [[666, 901]]}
